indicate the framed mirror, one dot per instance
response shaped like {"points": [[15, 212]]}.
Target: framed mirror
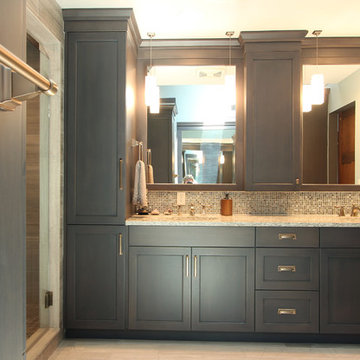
{"points": [[331, 131], [193, 137]]}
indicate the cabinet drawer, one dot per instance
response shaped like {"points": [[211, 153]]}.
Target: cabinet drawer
{"points": [[287, 269], [340, 237], [287, 311], [287, 237], [196, 236]]}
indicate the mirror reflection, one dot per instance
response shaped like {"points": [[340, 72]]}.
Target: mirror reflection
{"points": [[192, 138], [331, 133]]}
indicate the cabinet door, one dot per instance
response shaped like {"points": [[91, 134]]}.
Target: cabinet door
{"points": [[95, 277], [223, 289], [340, 291], [95, 128], [159, 288], [273, 120]]}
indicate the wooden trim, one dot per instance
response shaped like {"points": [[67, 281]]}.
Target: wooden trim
{"points": [[329, 187], [272, 36]]}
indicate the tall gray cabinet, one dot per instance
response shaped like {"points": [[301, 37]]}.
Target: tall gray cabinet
{"points": [[101, 51], [272, 109]]}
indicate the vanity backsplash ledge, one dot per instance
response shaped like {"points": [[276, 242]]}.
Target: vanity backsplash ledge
{"points": [[260, 202]]}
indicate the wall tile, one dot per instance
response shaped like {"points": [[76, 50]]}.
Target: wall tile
{"points": [[260, 202]]}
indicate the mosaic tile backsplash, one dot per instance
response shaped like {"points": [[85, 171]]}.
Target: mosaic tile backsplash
{"points": [[260, 202]]}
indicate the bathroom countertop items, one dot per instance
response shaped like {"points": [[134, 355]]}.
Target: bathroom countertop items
{"points": [[140, 196]]}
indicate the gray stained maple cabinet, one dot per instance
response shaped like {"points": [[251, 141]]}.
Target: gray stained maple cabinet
{"points": [[100, 52], [272, 88], [95, 277], [190, 288], [95, 129], [339, 284], [287, 280]]}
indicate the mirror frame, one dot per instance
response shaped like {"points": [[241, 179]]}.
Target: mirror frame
{"points": [[332, 51], [195, 52]]}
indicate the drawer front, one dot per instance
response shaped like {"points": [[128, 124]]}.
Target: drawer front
{"points": [[287, 237], [287, 311], [340, 237], [196, 236], [287, 269]]}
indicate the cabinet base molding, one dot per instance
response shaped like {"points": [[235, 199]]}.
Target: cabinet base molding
{"points": [[213, 336]]}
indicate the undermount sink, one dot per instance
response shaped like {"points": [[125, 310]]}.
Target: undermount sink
{"points": [[194, 217]]}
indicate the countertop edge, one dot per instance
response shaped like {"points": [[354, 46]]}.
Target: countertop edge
{"points": [[249, 221]]}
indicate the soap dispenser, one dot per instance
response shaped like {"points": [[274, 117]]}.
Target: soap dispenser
{"points": [[226, 206]]}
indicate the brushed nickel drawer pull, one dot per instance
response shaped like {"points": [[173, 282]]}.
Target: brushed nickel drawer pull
{"points": [[286, 311], [287, 236], [120, 245], [195, 266], [187, 265], [120, 174], [286, 268]]}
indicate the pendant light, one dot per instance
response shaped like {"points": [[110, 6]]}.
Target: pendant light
{"points": [[230, 84], [317, 80], [306, 98], [152, 91]]}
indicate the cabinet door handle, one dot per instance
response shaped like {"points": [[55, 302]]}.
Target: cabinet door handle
{"points": [[286, 268], [287, 236], [187, 265], [120, 174], [286, 311], [120, 245], [195, 266]]}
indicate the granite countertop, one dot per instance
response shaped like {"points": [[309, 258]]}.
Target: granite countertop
{"points": [[245, 220]]}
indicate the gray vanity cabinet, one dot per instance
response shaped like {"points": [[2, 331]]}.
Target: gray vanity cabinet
{"points": [[223, 289], [339, 284], [167, 284], [287, 280], [191, 278], [95, 277], [159, 288]]}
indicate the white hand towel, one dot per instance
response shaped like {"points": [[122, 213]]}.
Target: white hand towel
{"points": [[139, 197], [150, 174]]}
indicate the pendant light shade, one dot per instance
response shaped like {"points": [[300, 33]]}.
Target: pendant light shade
{"points": [[317, 80], [150, 84], [306, 98], [230, 83], [317, 89], [155, 100], [152, 91]]}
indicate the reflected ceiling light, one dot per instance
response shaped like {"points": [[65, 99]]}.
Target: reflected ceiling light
{"points": [[317, 80], [152, 91], [230, 84], [221, 158]]}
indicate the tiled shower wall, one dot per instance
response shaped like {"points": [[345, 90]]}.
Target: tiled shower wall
{"points": [[260, 202]]}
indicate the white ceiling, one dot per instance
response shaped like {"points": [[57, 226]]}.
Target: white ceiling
{"points": [[174, 19]]}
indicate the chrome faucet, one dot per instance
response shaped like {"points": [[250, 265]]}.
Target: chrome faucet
{"points": [[192, 210], [179, 209], [354, 211]]}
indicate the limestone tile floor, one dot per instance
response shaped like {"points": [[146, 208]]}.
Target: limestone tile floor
{"points": [[82, 349]]}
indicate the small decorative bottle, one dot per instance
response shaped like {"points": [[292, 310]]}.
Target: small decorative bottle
{"points": [[226, 206]]}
